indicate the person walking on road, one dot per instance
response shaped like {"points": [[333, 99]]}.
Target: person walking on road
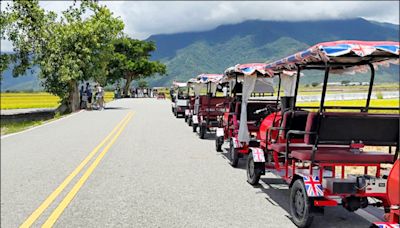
{"points": [[100, 97], [89, 94], [81, 91]]}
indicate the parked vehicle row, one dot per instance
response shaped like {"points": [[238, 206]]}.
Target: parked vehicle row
{"points": [[308, 147]]}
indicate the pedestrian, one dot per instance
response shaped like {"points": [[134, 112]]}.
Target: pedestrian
{"points": [[100, 97], [95, 101], [89, 94], [81, 91], [132, 92], [116, 93]]}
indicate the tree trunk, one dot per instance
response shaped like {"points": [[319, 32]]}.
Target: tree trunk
{"points": [[73, 99], [127, 84]]}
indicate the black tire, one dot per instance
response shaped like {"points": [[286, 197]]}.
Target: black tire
{"points": [[300, 205], [203, 130], [233, 155], [253, 170], [194, 127], [218, 143]]}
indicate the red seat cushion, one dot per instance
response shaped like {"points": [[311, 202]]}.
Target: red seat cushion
{"points": [[342, 155], [281, 147]]}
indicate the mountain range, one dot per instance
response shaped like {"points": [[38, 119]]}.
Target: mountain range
{"points": [[191, 53]]}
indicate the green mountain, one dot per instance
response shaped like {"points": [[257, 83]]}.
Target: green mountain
{"points": [[191, 53], [188, 54]]}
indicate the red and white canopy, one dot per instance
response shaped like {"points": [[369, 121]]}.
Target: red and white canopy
{"points": [[260, 69], [179, 84], [356, 53], [206, 78]]}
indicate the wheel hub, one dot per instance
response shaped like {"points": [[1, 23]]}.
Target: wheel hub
{"points": [[299, 203], [251, 168]]}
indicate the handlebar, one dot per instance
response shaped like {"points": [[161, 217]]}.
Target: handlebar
{"points": [[261, 110], [269, 109]]}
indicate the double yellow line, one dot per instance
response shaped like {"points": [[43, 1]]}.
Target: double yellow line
{"points": [[114, 134]]}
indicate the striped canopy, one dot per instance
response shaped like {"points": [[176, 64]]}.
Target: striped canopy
{"points": [[357, 53], [249, 69], [206, 78], [178, 84]]}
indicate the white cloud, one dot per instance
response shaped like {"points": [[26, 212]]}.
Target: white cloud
{"points": [[144, 18]]}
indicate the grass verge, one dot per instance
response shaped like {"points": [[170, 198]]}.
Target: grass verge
{"points": [[13, 127], [8, 128]]}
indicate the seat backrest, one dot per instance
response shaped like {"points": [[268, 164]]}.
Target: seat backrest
{"points": [[294, 120], [216, 100], [345, 128]]}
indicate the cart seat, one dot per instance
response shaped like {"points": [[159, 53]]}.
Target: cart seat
{"points": [[342, 155], [281, 147]]}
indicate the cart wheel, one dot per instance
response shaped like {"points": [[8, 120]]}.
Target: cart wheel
{"points": [[253, 170], [203, 130], [300, 205], [233, 155], [218, 143], [194, 126]]}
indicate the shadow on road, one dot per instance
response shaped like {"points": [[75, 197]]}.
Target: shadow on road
{"points": [[115, 108]]}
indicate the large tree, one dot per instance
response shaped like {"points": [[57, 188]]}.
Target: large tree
{"points": [[131, 61], [74, 46]]}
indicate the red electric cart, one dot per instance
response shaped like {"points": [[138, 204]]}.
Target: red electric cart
{"points": [[192, 90], [206, 107], [246, 110], [310, 150]]}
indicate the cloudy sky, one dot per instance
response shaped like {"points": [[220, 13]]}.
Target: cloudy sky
{"points": [[143, 19]]}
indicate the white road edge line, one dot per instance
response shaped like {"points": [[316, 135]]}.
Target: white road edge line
{"points": [[45, 124]]}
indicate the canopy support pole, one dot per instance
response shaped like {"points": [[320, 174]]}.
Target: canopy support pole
{"points": [[297, 85], [321, 106], [371, 83], [279, 90]]}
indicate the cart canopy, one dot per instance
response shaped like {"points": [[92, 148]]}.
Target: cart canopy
{"points": [[176, 84], [255, 77], [345, 56], [209, 78]]}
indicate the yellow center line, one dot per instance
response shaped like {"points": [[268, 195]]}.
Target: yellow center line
{"points": [[46, 203], [70, 196]]}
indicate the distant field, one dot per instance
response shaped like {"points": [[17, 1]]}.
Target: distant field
{"points": [[34, 100], [374, 103]]}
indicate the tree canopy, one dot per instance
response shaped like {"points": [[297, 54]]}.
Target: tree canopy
{"points": [[68, 48], [85, 42], [131, 61]]}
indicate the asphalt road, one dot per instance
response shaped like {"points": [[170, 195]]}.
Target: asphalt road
{"points": [[152, 172]]}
